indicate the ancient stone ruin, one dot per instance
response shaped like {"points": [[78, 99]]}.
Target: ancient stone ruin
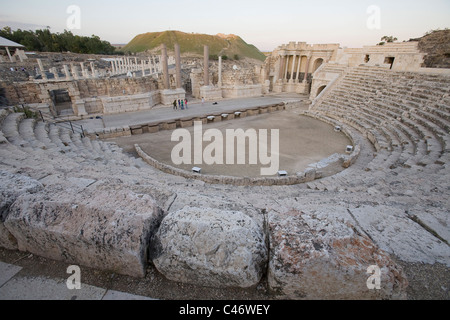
{"points": [[68, 195]]}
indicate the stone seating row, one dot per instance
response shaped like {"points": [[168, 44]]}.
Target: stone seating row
{"points": [[416, 120], [32, 134]]}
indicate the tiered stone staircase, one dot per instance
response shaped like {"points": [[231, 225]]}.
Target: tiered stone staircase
{"points": [[406, 116]]}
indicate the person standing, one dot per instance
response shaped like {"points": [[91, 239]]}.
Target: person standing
{"points": [[203, 101], [186, 103], [182, 104], [175, 105]]}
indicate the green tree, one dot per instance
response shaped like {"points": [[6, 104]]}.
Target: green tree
{"points": [[45, 40], [387, 39]]}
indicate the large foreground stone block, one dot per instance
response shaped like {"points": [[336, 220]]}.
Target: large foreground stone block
{"points": [[210, 247], [320, 257], [11, 187], [103, 229]]}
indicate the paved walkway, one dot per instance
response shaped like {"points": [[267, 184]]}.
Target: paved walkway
{"points": [[196, 108], [14, 286]]}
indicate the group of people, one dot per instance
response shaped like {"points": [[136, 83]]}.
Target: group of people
{"points": [[180, 103]]}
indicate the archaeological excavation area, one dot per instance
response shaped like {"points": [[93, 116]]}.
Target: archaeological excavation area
{"points": [[364, 141]]}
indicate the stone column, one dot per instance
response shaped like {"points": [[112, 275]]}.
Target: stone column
{"points": [[292, 70], [55, 73], [298, 68], [41, 68], [307, 69], [93, 70], [150, 65], [206, 65], [281, 69], [220, 72], [74, 72], [286, 68], [83, 70], [143, 67], [67, 72], [178, 65], [154, 65], [113, 68], [165, 67]]}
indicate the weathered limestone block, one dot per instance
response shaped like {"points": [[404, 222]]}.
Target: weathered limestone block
{"points": [[320, 257], [11, 187], [106, 229], [210, 247]]}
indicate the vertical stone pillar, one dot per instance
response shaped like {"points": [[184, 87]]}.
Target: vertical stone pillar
{"points": [[286, 68], [67, 72], [150, 65], [113, 68], [307, 69], [41, 68], [293, 66], [220, 72], [93, 70], [277, 70], [298, 68], [84, 74], [178, 65], [143, 68], [165, 66], [281, 68], [74, 72], [206, 65], [153, 64], [55, 73]]}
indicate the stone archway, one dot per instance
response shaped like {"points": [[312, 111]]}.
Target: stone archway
{"points": [[319, 91], [317, 64]]}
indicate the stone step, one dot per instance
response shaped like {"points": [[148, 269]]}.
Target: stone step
{"points": [[26, 130], [10, 128], [54, 136], [41, 134]]}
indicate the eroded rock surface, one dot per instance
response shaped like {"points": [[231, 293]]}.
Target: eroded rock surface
{"points": [[210, 247], [105, 229], [11, 187], [315, 256]]}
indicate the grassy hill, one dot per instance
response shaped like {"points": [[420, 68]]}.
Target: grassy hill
{"points": [[229, 45]]}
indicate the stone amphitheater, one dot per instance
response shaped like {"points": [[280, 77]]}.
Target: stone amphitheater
{"points": [[85, 201]]}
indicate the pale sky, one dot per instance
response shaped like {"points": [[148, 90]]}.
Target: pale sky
{"points": [[265, 24]]}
